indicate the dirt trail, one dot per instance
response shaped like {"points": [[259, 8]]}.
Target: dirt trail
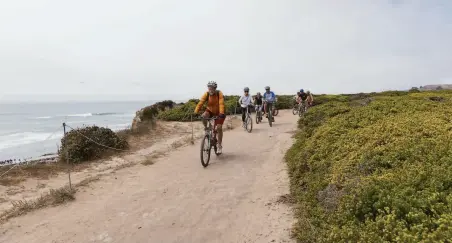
{"points": [[177, 200]]}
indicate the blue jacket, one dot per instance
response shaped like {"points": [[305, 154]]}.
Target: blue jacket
{"points": [[269, 97]]}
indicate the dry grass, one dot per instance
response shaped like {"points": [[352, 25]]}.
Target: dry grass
{"points": [[20, 173], [40, 185], [123, 166], [9, 181], [148, 161], [286, 199], [52, 198], [151, 159], [88, 180]]}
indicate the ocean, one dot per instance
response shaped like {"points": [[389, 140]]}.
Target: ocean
{"points": [[32, 130]]}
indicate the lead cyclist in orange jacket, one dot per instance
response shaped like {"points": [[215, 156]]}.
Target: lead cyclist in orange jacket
{"points": [[215, 107]]}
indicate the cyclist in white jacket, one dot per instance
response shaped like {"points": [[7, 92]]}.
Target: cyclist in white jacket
{"points": [[245, 101]]}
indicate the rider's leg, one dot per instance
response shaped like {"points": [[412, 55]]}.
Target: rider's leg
{"points": [[220, 133], [219, 124], [266, 110], [243, 114], [206, 114]]}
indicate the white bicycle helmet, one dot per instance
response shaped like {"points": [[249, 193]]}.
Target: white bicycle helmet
{"points": [[267, 87], [212, 84], [246, 89]]}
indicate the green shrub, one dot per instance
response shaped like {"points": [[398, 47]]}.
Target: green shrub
{"points": [[76, 145], [285, 102], [381, 172], [149, 113]]}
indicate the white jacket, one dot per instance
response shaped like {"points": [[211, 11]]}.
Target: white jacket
{"points": [[245, 101]]}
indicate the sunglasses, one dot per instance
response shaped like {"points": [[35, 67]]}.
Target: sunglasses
{"points": [[246, 91]]}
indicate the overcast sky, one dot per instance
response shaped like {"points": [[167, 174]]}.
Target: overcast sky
{"points": [[153, 49]]}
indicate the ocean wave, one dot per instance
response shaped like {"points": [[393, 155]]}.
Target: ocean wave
{"points": [[81, 115], [85, 115], [23, 138], [96, 114]]}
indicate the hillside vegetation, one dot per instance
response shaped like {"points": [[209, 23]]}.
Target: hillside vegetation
{"points": [[184, 111], [374, 168]]}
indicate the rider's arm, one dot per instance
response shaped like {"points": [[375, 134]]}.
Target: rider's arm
{"points": [[201, 102], [221, 102]]}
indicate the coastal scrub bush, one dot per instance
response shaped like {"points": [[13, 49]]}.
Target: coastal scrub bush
{"points": [[76, 146], [285, 102], [380, 172]]}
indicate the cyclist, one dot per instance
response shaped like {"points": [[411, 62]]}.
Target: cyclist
{"points": [[245, 101], [310, 99], [215, 107], [296, 96], [269, 99], [258, 101], [305, 97]]}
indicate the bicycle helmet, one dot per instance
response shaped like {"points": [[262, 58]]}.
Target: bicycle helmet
{"points": [[246, 89], [267, 88], [258, 93], [212, 84], [301, 90]]}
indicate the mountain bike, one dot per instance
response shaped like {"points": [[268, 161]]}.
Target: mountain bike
{"points": [[299, 109], [270, 113], [248, 126], [209, 141], [258, 109]]}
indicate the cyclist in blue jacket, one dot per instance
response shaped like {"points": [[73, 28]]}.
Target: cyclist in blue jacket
{"points": [[269, 100]]}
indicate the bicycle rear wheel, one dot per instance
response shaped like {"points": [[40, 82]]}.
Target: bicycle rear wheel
{"points": [[249, 123], [205, 151], [258, 114]]}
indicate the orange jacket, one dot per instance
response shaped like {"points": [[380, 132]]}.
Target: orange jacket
{"points": [[215, 104]]}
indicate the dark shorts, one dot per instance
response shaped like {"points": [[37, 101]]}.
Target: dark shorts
{"points": [[218, 121]]}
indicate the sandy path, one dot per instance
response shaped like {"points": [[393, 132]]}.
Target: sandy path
{"points": [[177, 200]]}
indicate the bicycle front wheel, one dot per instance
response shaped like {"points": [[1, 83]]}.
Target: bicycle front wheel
{"points": [[270, 116], [205, 151], [295, 110], [249, 123]]}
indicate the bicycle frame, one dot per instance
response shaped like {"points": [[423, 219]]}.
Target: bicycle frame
{"points": [[212, 130]]}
